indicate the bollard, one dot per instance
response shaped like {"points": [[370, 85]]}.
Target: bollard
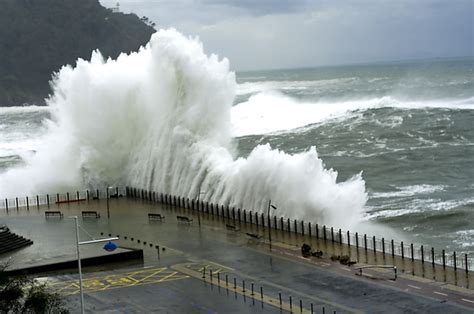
{"points": [[383, 247], [27, 204], [357, 240], [302, 227], [301, 306], [256, 219], [374, 243], [226, 280], [432, 257], [77, 195], [309, 229], [233, 214], [210, 274], [291, 304], [340, 236], [296, 226], [6, 204], [312, 311], [279, 295], [324, 233], [281, 224], [67, 196], [393, 248], [402, 250], [317, 231], [250, 216], [238, 215], [348, 238], [37, 201], [252, 289], [332, 234], [245, 216], [262, 219], [288, 224], [261, 293], [219, 278], [275, 226], [16, 201], [235, 284], [97, 193], [365, 242], [204, 273], [454, 261], [422, 256], [243, 286], [324, 310], [412, 255]]}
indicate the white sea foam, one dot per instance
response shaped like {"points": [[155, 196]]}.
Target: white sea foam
{"points": [[159, 119], [271, 111], [410, 190]]}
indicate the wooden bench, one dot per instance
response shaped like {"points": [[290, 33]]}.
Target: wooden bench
{"points": [[54, 214], [231, 227], [90, 214], [153, 216], [184, 219]]}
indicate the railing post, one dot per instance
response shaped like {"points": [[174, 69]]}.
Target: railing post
{"points": [[422, 255], [454, 261], [412, 251], [16, 201], [432, 257], [296, 227], [317, 231], [302, 227], [357, 240], [27, 204], [37, 201], [402, 250], [365, 242], [465, 263], [281, 224], [332, 234], [309, 229], [47, 199], [383, 247], [393, 248], [348, 238], [288, 225], [373, 240], [444, 259], [340, 236]]}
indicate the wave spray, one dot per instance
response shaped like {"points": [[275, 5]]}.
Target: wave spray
{"points": [[159, 119]]}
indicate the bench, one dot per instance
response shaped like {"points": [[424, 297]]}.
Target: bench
{"points": [[253, 235], [90, 214], [231, 227], [184, 219], [56, 214], [153, 216]]}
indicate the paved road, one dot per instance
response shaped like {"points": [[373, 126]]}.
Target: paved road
{"points": [[172, 281]]}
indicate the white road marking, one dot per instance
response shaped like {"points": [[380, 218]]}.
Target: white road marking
{"points": [[414, 287], [345, 269], [368, 275], [470, 301], [440, 293]]}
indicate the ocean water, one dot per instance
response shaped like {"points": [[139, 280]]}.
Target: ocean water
{"points": [[390, 146]]}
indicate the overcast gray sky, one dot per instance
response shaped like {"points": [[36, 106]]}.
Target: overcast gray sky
{"points": [[263, 34]]}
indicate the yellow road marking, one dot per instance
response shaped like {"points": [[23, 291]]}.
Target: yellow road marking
{"points": [[134, 278]]}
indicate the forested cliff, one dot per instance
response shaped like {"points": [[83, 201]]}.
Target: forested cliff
{"points": [[37, 37]]}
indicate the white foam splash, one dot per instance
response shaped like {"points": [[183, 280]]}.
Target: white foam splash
{"points": [[159, 119]]}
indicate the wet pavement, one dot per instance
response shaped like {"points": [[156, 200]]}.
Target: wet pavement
{"points": [[186, 266]]}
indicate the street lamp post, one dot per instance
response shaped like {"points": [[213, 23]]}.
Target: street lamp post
{"points": [[110, 247], [268, 219]]}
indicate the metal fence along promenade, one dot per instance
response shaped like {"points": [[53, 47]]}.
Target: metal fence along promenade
{"points": [[379, 250]]}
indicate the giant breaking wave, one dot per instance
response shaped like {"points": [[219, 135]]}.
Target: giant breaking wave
{"points": [[160, 120]]}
